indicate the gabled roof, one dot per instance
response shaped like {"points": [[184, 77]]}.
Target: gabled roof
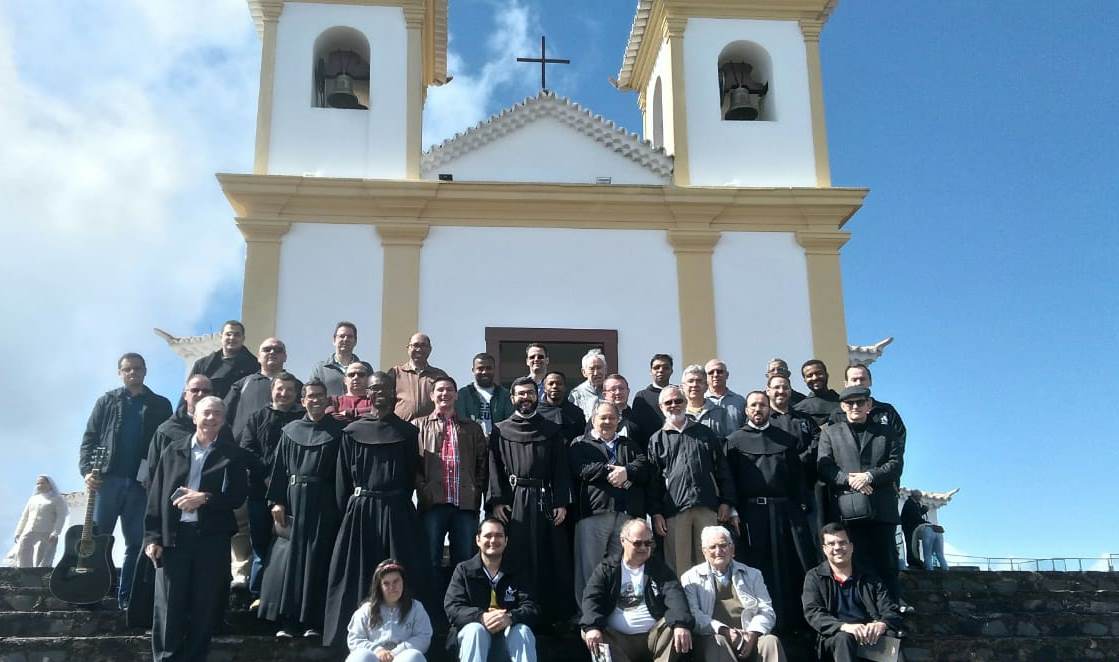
{"points": [[547, 104]]}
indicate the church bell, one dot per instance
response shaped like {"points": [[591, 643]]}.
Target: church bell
{"points": [[340, 92], [741, 94]]}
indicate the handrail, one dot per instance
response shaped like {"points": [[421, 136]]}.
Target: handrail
{"points": [[1049, 564]]}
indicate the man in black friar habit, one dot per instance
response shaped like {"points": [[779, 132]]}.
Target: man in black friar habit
{"points": [[530, 489], [765, 461], [378, 464], [555, 407], [301, 491]]}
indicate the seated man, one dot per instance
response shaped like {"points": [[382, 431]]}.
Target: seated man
{"points": [[484, 603], [847, 607], [635, 604], [731, 606]]}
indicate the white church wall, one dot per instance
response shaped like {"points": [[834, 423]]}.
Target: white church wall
{"points": [[328, 273], [471, 278], [334, 142], [546, 150], [748, 154], [761, 304]]}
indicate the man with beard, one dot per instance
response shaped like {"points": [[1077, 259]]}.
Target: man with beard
{"points": [[530, 490], [882, 413], [610, 473], [536, 358], [260, 437], [720, 395], [230, 363], [332, 371], [615, 390], [590, 390], [823, 401], [301, 491], [691, 486], [254, 392], [778, 367], [484, 401], [559, 410], [413, 380], [699, 409], [378, 464], [646, 408], [355, 402], [807, 433], [769, 482], [861, 460]]}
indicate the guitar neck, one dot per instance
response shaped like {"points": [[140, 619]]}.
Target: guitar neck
{"points": [[91, 499]]}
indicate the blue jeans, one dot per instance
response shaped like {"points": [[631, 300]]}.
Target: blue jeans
{"points": [[932, 546], [461, 525], [474, 643], [124, 498]]}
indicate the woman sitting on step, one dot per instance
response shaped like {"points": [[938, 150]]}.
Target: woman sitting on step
{"points": [[389, 625]]}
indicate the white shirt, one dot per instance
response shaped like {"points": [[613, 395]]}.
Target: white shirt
{"points": [[631, 615], [198, 456]]}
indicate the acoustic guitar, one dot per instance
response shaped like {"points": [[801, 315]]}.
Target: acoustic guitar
{"points": [[84, 574]]}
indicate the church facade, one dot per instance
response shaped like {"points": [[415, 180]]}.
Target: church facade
{"points": [[709, 235]]}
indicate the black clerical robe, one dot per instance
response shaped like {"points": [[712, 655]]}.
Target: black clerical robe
{"points": [[378, 464], [302, 481], [647, 410], [533, 451], [820, 406], [223, 371], [769, 483], [568, 415], [260, 436]]}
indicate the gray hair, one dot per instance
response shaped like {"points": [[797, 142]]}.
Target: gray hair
{"points": [[671, 388], [709, 533], [593, 355], [694, 369], [630, 524], [600, 403], [209, 400]]}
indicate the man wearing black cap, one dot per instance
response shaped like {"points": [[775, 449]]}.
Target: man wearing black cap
{"points": [[860, 459]]}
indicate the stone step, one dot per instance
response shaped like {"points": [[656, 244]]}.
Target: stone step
{"points": [[1006, 582], [93, 622], [1080, 602], [39, 599], [1016, 649], [1020, 624]]}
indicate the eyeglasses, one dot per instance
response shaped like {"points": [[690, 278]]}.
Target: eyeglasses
{"points": [[272, 349], [647, 544], [419, 345], [838, 543], [357, 374], [861, 402], [199, 391], [717, 371], [674, 401]]}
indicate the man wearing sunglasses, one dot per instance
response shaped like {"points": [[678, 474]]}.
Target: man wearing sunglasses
{"points": [[252, 393], [635, 605], [861, 459]]}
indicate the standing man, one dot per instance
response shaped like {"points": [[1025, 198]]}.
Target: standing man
{"points": [[301, 491], [530, 490], [822, 402], [615, 390], [331, 372], [254, 392], [611, 473], [861, 460], [181, 423], [454, 473], [845, 603], [189, 520], [769, 482], [413, 380], [718, 394], [691, 486], [807, 433], [378, 465], [730, 604], [489, 603], [260, 436], [124, 421], [536, 358], [558, 409], [646, 408], [594, 371], [699, 409], [778, 367], [484, 401], [635, 605], [230, 363], [355, 402], [881, 412]]}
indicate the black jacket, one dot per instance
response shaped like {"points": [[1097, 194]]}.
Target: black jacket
{"points": [[223, 477], [664, 596], [179, 426], [568, 415], [594, 494], [882, 413], [468, 597], [873, 448], [259, 438], [244, 363], [821, 596], [646, 411], [819, 406], [468, 407], [689, 469], [104, 424]]}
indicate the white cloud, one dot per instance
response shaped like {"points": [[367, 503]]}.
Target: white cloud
{"points": [[115, 118], [468, 99]]}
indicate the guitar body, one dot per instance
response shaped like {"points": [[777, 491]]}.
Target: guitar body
{"points": [[84, 574]]}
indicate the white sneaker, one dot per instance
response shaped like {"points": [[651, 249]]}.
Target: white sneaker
{"points": [[283, 634], [312, 633]]}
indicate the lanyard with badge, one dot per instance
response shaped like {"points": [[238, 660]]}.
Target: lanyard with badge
{"points": [[493, 580]]}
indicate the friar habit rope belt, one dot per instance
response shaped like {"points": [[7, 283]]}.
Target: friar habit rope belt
{"points": [[517, 481], [298, 479], [362, 492], [761, 501]]}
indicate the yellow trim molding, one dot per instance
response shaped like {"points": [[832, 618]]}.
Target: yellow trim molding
{"points": [[400, 287], [414, 21], [269, 17], [811, 31], [696, 291], [674, 32], [825, 299], [260, 295]]}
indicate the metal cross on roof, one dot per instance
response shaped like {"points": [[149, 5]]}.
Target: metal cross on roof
{"points": [[544, 60]]}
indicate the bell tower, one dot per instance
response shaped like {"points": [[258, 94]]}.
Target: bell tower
{"points": [[732, 89], [342, 85]]}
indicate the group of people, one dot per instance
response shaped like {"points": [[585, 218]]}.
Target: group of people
{"points": [[685, 510]]}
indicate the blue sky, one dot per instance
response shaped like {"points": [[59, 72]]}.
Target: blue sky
{"points": [[986, 136]]}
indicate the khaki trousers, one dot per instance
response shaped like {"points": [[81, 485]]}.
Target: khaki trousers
{"points": [[681, 545], [241, 552], [654, 645], [715, 648]]}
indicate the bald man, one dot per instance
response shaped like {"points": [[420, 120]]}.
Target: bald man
{"points": [[414, 380]]}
